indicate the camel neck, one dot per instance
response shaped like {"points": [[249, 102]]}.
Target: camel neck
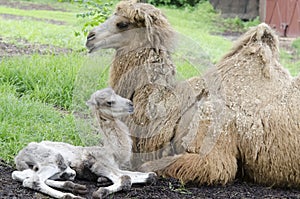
{"points": [[124, 61]]}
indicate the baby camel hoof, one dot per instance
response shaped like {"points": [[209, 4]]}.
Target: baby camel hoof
{"points": [[125, 183], [152, 178], [101, 193], [104, 181], [75, 188]]}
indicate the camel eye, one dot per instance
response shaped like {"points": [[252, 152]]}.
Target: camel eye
{"points": [[122, 25], [110, 103]]}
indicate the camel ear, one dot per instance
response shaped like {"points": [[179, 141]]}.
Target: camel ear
{"points": [[90, 103]]}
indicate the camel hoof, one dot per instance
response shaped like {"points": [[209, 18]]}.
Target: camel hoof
{"points": [[126, 183], [101, 193], [152, 178]]}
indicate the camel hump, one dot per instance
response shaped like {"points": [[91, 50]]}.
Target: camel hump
{"points": [[261, 35], [265, 34]]}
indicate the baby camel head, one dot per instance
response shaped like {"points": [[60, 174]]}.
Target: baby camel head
{"points": [[132, 26], [108, 104]]}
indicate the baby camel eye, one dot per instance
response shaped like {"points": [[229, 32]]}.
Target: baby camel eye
{"points": [[110, 103], [122, 25]]}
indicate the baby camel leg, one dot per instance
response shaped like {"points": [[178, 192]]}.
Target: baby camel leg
{"points": [[20, 176], [120, 182], [140, 177], [40, 186], [36, 181], [67, 186]]}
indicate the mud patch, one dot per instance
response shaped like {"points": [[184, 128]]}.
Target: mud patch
{"points": [[25, 48]]}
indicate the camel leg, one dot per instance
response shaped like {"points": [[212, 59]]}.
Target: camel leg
{"points": [[217, 167]]}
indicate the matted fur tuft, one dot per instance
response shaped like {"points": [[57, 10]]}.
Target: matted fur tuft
{"points": [[159, 31]]}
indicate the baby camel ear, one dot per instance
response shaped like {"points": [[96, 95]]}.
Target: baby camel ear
{"points": [[91, 103]]}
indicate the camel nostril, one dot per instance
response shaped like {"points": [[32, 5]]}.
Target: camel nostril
{"points": [[130, 103], [89, 44], [131, 108], [91, 36]]}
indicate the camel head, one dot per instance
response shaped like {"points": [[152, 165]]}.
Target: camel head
{"points": [[132, 26], [108, 104]]}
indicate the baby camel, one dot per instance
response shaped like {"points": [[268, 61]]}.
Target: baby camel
{"points": [[41, 164]]}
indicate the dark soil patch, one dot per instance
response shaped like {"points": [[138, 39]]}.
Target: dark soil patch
{"points": [[231, 35], [28, 6], [25, 48], [17, 17], [163, 189]]}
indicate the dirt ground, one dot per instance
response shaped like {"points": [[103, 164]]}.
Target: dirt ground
{"points": [[164, 188], [23, 47]]}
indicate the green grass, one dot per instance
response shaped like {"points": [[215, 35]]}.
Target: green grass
{"points": [[237, 25], [24, 120], [291, 62], [61, 4], [41, 32], [67, 17], [49, 79], [39, 92], [196, 25], [37, 27]]}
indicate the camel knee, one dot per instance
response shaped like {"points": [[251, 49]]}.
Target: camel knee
{"points": [[152, 178], [33, 182], [125, 183], [101, 193]]}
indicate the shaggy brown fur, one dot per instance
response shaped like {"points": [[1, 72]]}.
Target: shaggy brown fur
{"points": [[259, 99], [263, 108], [236, 114], [152, 92]]}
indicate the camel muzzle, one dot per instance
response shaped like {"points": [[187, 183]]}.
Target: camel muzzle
{"points": [[89, 44]]}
